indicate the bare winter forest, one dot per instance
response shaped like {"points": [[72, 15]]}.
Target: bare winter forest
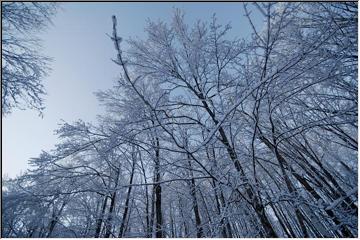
{"points": [[204, 135]]}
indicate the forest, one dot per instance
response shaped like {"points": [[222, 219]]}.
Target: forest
{"points": [[204, 135]]}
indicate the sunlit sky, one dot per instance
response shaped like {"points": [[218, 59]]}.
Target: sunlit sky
{"points": [[81, 51]]}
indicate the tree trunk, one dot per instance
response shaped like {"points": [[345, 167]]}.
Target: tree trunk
{"points": [[159, 218], [147, 214], [126, 209], [112, 207], [254, 199], [199, 230], [307, 186], [110, 216], [99, 221], [55, 218], [225, 228]]}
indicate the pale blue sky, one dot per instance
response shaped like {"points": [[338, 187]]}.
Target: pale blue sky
{"points": [[82, 65]]}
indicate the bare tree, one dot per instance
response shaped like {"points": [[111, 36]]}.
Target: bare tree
{"points": [[23, 66], [205, 136]]}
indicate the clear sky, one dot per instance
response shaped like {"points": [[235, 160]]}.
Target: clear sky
{"points": [[82, 65]]}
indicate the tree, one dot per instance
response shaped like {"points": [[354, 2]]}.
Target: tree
{"points": [[206, 136], [23, 67]]}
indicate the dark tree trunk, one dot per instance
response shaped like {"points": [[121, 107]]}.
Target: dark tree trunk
{"points": [[152, 211], [126, 208], [199, 229], [159, 218], [55, 218], [112, 207], [99, 221], [110, 216]]}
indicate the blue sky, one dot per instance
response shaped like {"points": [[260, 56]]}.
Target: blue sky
{"points": [[82, 65]]}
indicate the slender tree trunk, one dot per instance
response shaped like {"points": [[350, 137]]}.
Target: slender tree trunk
{"points": [[126, 208], [288, 224], [326, 177], [207, 230], [110, 216], [254, 199], [99, 221], [55, 218], [147, 214], [159, 218], [282, 162], [291, 189], [199, 229], [338, 192], [307, 186], [152, 213], [344, 230], [184, 221], [218, 210], [127, 225], [280, 221], [172, 224], [225, 227], [112, 207]]}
